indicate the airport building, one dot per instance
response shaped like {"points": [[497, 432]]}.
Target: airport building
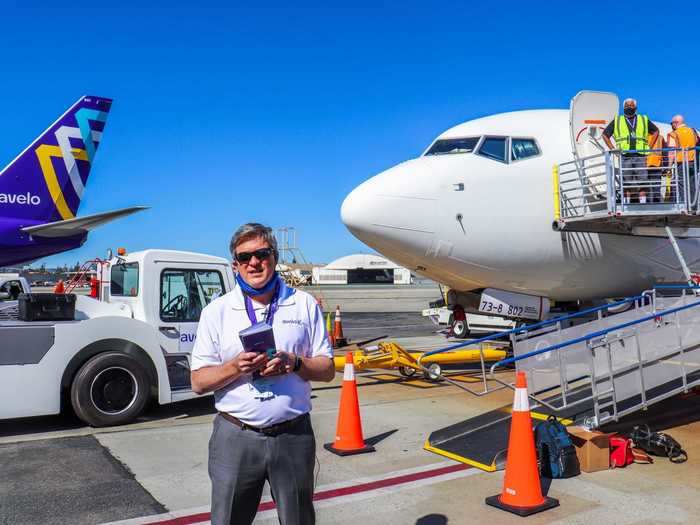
{"points": [[361, 269]]}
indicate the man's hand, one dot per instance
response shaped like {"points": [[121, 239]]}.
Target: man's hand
{"points": [[282, 363], [249, 362]]}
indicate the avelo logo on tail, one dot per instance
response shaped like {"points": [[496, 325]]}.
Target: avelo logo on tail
{"points": [[26, 199], [41, 189]]}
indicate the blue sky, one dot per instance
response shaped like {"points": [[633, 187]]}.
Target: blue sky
{"points": [[227, 113]]}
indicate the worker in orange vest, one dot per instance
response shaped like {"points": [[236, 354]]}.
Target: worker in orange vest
{"points": [[655, 164], [685, 138]]}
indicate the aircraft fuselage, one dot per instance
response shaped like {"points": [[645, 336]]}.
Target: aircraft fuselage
{"points": [[472, 222]]}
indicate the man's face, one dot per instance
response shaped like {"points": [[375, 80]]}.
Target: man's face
{"points": [[675, 123], [256, 272], [630, 108]]}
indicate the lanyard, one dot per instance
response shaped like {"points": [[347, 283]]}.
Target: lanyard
{"points": [[270, 314]]}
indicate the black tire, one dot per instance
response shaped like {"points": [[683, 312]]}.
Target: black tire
{"points": [[407, 371], [109, 389], [434, 373], [460, 328]]}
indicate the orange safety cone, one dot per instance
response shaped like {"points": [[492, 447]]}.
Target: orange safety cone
{"points": [[348, 434], [338, 330], [522, 493], [328, 329], [60, 287]]}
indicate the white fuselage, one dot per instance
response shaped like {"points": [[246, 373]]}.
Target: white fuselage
{"points": [[472, 222]]}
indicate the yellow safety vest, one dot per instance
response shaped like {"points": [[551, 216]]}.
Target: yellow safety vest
{"points": [[623, 137]]}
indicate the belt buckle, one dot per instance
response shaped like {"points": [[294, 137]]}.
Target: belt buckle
{"points": [[269, 431]]}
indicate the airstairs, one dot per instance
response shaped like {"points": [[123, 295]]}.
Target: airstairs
{"points": [[591, 368], [600, 365]]}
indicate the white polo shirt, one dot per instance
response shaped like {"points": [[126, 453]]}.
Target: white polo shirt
{"points": [[299, 329]]}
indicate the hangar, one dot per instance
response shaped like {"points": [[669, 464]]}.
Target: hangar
{"points": [[361, 268]]}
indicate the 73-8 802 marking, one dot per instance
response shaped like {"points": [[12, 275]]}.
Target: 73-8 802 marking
{"points": [[500, 308]]}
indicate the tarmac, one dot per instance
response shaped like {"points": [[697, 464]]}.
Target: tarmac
{"points": [[56, 470]]}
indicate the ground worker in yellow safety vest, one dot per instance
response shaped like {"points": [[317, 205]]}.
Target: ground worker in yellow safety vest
{"points": [[633, 134], [686, 138]]}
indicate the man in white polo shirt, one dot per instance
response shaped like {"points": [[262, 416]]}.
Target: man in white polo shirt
{"points": [[263, 430]]}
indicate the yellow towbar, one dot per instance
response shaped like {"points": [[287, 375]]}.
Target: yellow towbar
{"points": [[392, 356]]}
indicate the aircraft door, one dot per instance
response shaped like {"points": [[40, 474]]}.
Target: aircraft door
{"points": [[589, 113]]}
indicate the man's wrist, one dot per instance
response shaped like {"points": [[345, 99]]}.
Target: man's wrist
{"points": [[297, 363]]}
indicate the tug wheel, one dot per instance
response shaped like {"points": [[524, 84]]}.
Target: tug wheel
{"points": [[109, 389], [460, 329]]}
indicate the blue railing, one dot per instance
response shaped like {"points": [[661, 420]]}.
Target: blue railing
{"points": [[530, 327], [598, 333]]}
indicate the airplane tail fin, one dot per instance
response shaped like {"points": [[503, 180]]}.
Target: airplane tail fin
{"points": [[45, 182]]}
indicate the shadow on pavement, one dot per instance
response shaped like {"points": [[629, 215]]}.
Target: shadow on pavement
{"points": [[432, 519], [67, 421], [379, 437]]}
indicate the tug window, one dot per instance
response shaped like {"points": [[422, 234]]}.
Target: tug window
{"points": [[124, 280], [183, 293], [453, 146], [523, 149], [494, 148]]}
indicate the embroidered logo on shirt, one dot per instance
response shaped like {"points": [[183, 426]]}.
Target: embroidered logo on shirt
{"points": [[292, 321]]}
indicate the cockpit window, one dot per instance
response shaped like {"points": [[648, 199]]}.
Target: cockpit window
{"points": [[452, 146], [523, 149], [494, 148]]}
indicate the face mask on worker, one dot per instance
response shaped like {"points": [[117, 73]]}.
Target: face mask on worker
{"points": [[630, 111]]}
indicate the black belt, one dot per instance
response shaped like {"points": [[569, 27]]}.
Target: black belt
{"points": [[272, 430]]}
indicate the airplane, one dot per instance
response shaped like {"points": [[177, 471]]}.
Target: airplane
{"points": [[41, 189], [475, 212]]}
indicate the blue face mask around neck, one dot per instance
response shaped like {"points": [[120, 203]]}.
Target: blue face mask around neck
{"points": [[249, 290]]}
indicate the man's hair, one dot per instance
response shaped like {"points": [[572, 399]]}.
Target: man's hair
{"points": [[633, 101], [253, 230]]}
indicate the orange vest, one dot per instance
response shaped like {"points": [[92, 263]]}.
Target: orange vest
{"points": [[683, 137], [654, 159]]}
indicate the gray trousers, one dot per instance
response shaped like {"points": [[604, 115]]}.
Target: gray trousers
{"points": [[240, 461]]}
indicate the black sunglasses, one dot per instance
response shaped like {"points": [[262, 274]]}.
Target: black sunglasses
{"points": [[262, 253]]}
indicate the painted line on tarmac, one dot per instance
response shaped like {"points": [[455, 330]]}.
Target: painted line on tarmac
{"points": [[330, 495]]}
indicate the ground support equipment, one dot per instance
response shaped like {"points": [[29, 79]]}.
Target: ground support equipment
{"points": [[390, 355]]}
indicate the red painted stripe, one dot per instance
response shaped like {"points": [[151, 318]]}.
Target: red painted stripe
{"points": [[332, 493], [594, 121]]}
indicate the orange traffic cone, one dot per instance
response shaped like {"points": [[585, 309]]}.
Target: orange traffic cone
{"points": [[60, 287], [348, 434], [522, 493], [328, 329], [338, 330]]}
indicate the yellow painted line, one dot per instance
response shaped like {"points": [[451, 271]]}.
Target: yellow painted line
{"points": [[381, 377], [419, 383], [543, 417], [450, 455]]}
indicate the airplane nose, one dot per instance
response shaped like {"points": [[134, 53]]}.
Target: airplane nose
{"points": [[393, 210], [355, 210]]}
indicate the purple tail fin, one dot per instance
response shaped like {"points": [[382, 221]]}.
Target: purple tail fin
{"points": [[46, 181]]}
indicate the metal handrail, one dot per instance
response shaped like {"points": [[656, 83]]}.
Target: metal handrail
{"points": [[587, 182], [541, 324], [593, 335]]}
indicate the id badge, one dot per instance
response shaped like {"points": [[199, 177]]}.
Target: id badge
{"points": [[261, 388]]}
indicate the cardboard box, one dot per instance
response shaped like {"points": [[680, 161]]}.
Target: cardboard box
{"points": [[592, 448]]}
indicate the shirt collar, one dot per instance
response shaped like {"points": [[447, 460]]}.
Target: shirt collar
{"points": [[236, 301]]}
